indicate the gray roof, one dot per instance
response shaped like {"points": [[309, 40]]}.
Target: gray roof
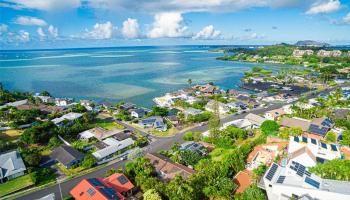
{"points": [[66, 154], [11, 163]]}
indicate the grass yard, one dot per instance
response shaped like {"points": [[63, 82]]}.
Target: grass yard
{"points": [[10, 134], [15, 184], [169, 132], [70, 172], [108, 125]]}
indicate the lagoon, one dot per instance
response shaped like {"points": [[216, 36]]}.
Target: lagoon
{"points": [[135, 74]]}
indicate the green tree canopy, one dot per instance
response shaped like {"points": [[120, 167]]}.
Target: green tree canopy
{"points": [[269, 127]]}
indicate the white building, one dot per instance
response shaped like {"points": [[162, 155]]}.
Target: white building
{"points": [[112, 146], [11, 166], [67, 117], [310, 151], [274, 114], [63, 102], [192, 111], [250, 121], [222, 107], [294, 181], [299, 53]]}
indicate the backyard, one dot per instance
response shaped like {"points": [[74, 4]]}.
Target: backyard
{"points": [[15, 184]]}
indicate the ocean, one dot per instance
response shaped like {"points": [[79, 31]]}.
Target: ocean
{"points": [[132, 74]]}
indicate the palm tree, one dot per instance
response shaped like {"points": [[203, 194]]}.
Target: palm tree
{"points": [[189, 81]]}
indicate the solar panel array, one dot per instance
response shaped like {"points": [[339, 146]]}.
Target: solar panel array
{"points": [[323, 145], [95, 182], [304, 139], [334, 147], [313, 141], [299, 168], [307, 173], [110, 193], [122, 179], [271, 172], [296, 139], [327, 122], [318, 130], [312, 182], [281, 179]]}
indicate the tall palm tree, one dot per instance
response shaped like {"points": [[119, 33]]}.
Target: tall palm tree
{"points": [[189, 81]]}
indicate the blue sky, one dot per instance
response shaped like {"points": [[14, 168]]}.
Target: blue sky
{"points": [[97, 23]]}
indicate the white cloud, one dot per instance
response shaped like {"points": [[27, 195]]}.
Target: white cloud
{"points": [[168, 24], [41, 33], [130, 28], [53, 31], [101, 31], [207, 33], [23, 36], [3, 28], [346, 19], [324, 7], [29, 21], [47, 5]]}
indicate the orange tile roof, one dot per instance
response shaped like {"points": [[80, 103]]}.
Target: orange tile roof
{"points": [[243, 180], [87, 190], [115, 182]]}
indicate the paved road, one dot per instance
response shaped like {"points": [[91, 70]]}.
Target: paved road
{"points": [[156, 145]]}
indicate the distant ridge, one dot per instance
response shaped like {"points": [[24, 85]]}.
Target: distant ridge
{"points": [[311, 43]]}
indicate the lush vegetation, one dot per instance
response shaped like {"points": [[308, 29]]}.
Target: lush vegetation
{"points": [[334, 169]]}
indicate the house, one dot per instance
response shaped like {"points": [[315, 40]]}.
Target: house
{"points": [[109, 147], [254, 119], [310, 151], [15, 104], [264, 154], [88, 104], [166, 168], [70, 117], [67, 156], [194, 147], [299, 53], [110, 188], [207, 89], [99, 133], [294, 181], [319, 127], [11, 166], [127, 106], [63, 101], [221, 107], [46, 99], [243, 180], [155, 122], [324, 53], [192, 111], [274, 114], [294, 122], [237, 105], [138, 113], [239, 123]]}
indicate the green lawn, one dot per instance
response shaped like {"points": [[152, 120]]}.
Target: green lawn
{"points": [[169, 132], [15, 184], [109, 125]]}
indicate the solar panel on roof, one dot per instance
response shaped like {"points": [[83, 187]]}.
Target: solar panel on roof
{"points": [[317, 130], [110, 193], [122, 179], [304, 139], [323, 145], [334, 148], [301, 170], [281, 179], [271, 172], [296, 139], [312, 182], [95, 182], [307, 173], [313, 141], [91, 192]]}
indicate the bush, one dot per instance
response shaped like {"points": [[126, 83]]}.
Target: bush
{"points": [[270, 127], [188, 136], [89, 161]]}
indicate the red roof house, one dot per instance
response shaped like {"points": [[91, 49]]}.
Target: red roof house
{"points": [[109, 188]]}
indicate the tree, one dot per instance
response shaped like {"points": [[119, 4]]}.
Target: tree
{"points": [[135, 153], [89, 161], [32, 157], [189, 81], [269, 127], [179, 189], [214, 121], [151, 194], [336, 169], [253, 192], [45, 93], [188, 136], [189, 158], [331, 137], [345, 138]]}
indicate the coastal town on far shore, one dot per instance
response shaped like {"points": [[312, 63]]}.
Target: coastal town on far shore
{"points": [[281, 134]]}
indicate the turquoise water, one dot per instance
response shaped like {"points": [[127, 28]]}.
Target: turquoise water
{"points": [[136, 74]]}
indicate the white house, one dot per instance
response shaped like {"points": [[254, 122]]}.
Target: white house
{"points": [[274, 114], [295, 181], [70, 117], [221, 106], [310, 151], [63, 101], [11, 166], [192, 111], [112, 146]]}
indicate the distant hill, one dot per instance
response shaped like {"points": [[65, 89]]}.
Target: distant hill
{"points": [[311, 43]]}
